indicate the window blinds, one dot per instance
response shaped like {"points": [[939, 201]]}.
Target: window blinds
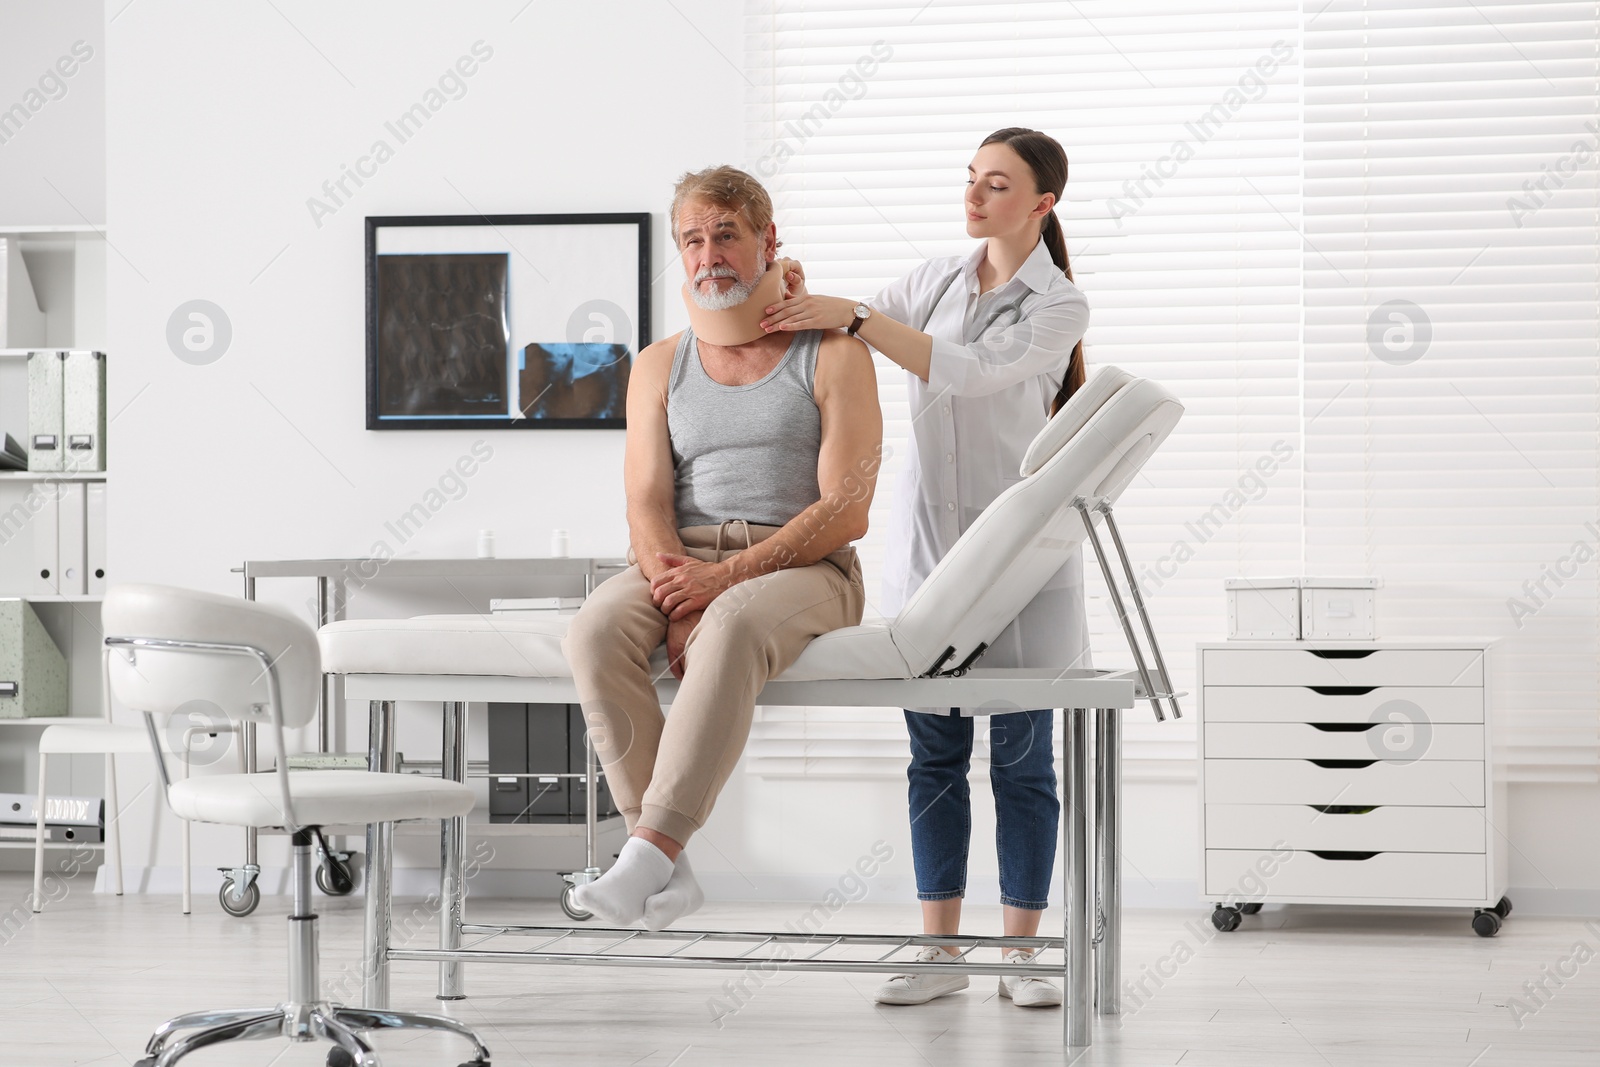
{"points": [[1236, 211], [1452, 280]]}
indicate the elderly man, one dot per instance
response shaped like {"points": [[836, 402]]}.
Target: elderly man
{"points": [[749, 468]]}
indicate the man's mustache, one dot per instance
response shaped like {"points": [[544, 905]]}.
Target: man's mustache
{"points": [[716, 272]]}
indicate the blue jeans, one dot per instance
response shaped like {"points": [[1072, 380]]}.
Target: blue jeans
{"points": [[1027, 810]]}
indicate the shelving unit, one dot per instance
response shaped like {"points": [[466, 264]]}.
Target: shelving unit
{"points": [[66, 264]]}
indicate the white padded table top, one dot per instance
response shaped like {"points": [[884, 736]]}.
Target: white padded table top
{"points": [[529, 646]]}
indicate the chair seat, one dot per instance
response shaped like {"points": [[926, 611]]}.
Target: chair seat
{"points": [[529, 646], [321, 798]]}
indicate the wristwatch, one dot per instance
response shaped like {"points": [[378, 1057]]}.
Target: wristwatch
{"points": [[862, 312]]}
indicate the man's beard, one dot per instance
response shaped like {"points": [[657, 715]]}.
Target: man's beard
{"points": [[733, 296]]}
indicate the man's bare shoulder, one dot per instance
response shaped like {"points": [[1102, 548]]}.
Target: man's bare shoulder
{"points": [[844, 370], [842, 351], [654, 364]]}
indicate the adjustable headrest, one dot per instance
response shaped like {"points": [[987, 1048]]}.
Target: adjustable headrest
{"points": [[1101, 386]]}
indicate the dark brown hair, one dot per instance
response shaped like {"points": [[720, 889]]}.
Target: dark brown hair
{"points": [[1047, 160]]}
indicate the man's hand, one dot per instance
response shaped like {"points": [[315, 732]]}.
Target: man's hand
{"points": [[687, 585], [678, 631]]}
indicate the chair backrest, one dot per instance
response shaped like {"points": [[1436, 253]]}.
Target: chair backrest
{"points": [[1091, 449], [160, 680]]}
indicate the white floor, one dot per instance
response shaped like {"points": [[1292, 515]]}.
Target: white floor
{"points": [[85, 981]]}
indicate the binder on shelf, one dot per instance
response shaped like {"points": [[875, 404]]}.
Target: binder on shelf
{"points": [[52, 834], [59, 810], [22, 323], [13, 457], [65, 818], [33, 673], [94, 538], [45, 578], [83, 411], [45, 446], [70, 528]]}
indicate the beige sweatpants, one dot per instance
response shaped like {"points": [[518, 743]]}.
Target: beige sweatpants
{"points": [[665, 771]]}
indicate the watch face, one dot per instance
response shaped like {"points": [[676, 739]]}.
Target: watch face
{"points": [[862, 311]]}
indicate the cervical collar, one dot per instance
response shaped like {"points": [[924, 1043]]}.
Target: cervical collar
{"points": [[741, 323]]}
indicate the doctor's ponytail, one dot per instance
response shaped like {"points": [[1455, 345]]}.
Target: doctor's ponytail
{"points": [[1048, 160]]}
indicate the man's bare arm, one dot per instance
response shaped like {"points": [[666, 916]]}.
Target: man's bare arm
{"points": [[647, 473]]}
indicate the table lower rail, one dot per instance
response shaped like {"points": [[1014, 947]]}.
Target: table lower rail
{"points": [[761, 951]]}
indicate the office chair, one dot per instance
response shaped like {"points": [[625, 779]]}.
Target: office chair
{"points": [[256, 662]]}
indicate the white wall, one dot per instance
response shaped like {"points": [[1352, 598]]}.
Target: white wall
{"points": [[223, 121], [52, 118]]}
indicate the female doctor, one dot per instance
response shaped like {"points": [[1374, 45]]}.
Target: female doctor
{"points": [[992, 346]]}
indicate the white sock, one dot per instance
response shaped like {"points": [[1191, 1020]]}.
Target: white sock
{"points": [[617, 897], [681, 897]]}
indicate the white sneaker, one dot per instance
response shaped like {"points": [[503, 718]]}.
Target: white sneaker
{"points": [[921, 988], [1026, 991]]}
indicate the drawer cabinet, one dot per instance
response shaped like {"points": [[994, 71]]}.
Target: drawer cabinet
{"points": [[1349, 772]]}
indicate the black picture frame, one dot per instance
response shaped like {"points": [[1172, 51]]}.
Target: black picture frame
{"points": [[376, 365]]}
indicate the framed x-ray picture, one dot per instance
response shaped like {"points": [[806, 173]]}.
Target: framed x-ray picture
{"points": [[504, 321]]}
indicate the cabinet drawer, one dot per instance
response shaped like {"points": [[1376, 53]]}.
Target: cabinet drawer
{"points": [[1401, 876], [1303, 703], [1346, 667], [1378, 740], [1442, 783], [1382, 829]]}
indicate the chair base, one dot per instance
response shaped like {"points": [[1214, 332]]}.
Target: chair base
{"points": [[298, 1022]]}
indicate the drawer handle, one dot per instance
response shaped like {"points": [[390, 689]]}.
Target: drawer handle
{"points": [[1342, 653], [1341, 855], [1343, 727], [1343, 764], [1344, 809], [1342, 690]]}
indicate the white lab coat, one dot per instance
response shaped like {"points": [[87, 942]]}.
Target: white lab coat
{"points": [[987, 396]]}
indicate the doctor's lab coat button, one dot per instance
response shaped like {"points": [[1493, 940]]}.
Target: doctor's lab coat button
{"points": [[950, 506], [949, 457]]}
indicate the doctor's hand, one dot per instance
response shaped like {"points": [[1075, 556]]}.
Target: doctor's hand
{"points": [[808, 312], [678, 632], [687, 585], [794, 277]]}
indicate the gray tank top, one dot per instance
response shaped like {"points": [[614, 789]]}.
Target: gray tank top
{"points": [[745, 451]]}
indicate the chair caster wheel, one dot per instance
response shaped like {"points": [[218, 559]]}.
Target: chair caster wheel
{"points": [[1226, 919], [238, 906], [1486, 924], [338, 1057], [1502, 909], [1251, 908], [335, 879], [572, 909], [476, 1063]]}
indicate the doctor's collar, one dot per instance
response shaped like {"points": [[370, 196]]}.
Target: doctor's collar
{"points": [[1038, 272]]}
